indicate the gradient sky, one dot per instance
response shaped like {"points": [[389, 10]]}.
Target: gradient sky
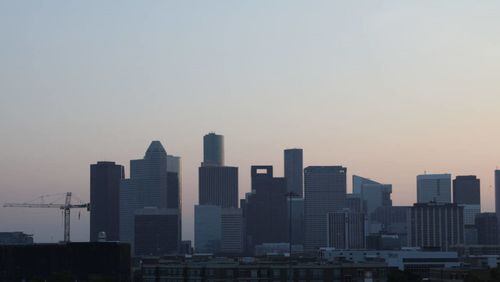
{"points": [[389, 89]]}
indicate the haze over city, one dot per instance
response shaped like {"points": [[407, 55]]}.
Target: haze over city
{"points": [[386, 89]]}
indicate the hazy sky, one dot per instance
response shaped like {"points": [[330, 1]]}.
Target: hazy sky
{"points": [[389, 89]]}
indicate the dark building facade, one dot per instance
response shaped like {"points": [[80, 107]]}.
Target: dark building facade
{"points": [[265, 209], [466, 190], [218, 186], [213, 150], [105, 180], [107, 261], [294, 171], [346, 230], [156, 232], [15, 238], [435, 225], [497, 194], [487, 228], [324, 192]]}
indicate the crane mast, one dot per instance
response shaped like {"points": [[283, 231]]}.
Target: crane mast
{"points": [[66, 208]]}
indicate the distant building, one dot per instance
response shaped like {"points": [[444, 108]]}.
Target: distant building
{"points": [[434, 188], [346, 230], [207, 228], [383, 242], [487, 228], [265, 209], [324, 192], [156, 232], [219, 230], [95, 261], [435, 225], [297, 211], [358, 182], [186, 247], [354, 203], [105, 180], [497, 195], [466, 192], [174, 182], [15, 238], [294, 173], [232, 231], [393, 220], [148, 187], [218, 185], [213, 150]]}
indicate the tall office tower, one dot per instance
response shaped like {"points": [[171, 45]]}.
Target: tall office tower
{"points": [[393, 220], [443, 224], [146, 187], [324, 192], [207, 228], [354, 203], [213, 150], [265, 209], [434, 188], [218, 185], [174, 187], [487, 228], [105, 180], [372, 193], [156, 232], [294, 171], [232, 241], [357, 183], [497, 195], [346, 230], [466, 192], [296, 206]]}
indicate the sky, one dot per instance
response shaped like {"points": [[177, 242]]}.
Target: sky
{"points": [[389, 89]]}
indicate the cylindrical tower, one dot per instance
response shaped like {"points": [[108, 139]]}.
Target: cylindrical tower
{"points": [[213, 150]]}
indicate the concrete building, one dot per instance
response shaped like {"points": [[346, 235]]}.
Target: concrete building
{"points": [[324, 192], [294, 171], [207, 228], [213, 150], [435, 225], [105, 180], [218, 185], [147, 187], [487, 228], [434, 188], [346, 230], [265, 209], [156, 232], [466, 192]]}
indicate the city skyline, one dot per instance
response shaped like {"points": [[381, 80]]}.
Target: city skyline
{"points": [[387, 90]]}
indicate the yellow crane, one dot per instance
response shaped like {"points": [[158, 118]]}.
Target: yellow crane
{"points": [[66, 208]]}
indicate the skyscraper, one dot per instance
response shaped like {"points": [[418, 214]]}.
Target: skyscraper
{"points": [[218, 185], [466, 192], [232, 228], [265, 209], [105, 180], [487, 228], [497, 194], [294, 171], [156, 231], [146, 187], [324, 192], [346, 230], [207, 228], [434, 188], [435, 225], [372, 193], [213, 150]]}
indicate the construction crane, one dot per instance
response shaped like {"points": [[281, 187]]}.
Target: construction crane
{"points": [[66, 208]]}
